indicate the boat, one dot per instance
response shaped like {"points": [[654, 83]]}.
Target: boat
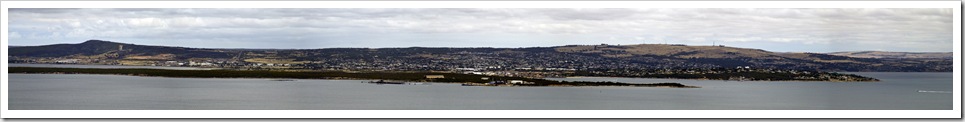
{"points": [[386, 82], [477, 84], [419, 83]]}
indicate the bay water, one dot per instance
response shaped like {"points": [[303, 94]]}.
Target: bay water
{"points": [[896, 91]]}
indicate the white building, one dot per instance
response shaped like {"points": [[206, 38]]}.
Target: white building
{"points": [[68, 61], [518, 82]]}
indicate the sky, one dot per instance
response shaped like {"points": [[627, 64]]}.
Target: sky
{"points": [[778, 30]]}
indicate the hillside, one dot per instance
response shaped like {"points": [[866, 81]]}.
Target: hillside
{"points": [[570, 57], [111, 50], [883, 54]]}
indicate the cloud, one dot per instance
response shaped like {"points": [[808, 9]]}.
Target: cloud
{"points": [[43, 10], [861, 29]]}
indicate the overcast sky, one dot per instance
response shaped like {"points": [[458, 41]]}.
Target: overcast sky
{"points": [[780, 30]]}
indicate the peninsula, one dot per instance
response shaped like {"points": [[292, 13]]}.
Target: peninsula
{"points": [[676, 61], [401, 76]]}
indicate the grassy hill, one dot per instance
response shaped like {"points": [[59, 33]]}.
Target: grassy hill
{"points": [[104, 49], [732, 56], [642, 56], [883, 54]]}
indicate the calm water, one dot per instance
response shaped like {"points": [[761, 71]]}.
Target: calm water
{"points": [[94, 92], [107, 66]]}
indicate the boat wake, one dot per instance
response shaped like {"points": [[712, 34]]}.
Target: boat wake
{"points": [[380, 82], [287, 80], [945, 92]]}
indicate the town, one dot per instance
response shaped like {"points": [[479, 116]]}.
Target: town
{"points": [[537, 62], [525, 70]]}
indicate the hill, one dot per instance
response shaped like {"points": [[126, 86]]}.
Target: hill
{"points": [[570, 57], [113, 50], [883, 54]]}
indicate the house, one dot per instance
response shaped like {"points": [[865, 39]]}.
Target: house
{"points": [[519, 82], [68, 61], [467, 69], [434, 76]]}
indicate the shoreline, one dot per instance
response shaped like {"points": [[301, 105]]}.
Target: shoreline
{"points": [[720, 80], [274, 75], [205, 69], [270, 79], [753, 76], [60, 73]]}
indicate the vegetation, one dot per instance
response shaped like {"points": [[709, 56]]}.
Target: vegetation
{"points": [[404, 76], [580, 57], [98, 47], [742, 74]]}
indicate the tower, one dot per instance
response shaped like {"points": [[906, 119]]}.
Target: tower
{"points": [[120, 47]]}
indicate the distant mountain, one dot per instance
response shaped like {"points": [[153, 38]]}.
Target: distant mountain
{"points": [[101, 49], [883, 54], [732, 56], [581, 57]]}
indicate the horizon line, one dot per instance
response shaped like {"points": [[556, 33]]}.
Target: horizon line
{"points": [[463, 47]]}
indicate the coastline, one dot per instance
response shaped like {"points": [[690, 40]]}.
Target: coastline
{"points": [[704, 79], [407, 77], [727, 77]]}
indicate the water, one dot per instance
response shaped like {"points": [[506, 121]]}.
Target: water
{"points": [[897, 91], [106, 66]]}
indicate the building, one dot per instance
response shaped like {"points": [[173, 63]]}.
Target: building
{"points": [[519, 82], [68, 61], [435, 76]]}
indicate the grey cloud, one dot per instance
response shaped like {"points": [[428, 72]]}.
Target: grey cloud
{"points": [[588, 14], [42, 10], [920, 29]]}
